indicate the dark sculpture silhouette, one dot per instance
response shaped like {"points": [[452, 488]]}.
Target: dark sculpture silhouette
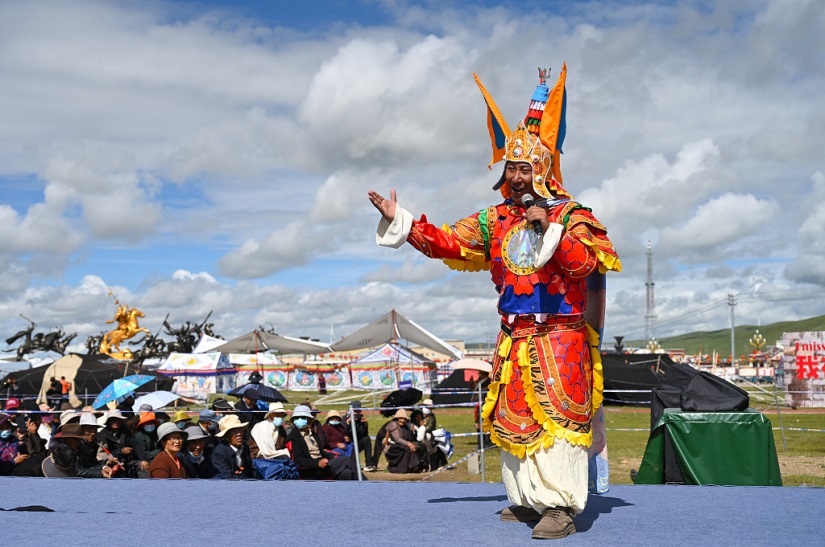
{"points": [[188, 334], [52, 341]]}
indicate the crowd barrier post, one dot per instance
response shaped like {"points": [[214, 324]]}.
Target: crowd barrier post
{"points": [[480, 430], [779, 414], [355, 443]]}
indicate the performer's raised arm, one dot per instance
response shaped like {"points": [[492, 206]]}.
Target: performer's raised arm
{"points": [[385, 206]]}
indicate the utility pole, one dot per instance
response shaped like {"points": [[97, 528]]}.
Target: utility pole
{"points": [[650, 314], [732, 304]]}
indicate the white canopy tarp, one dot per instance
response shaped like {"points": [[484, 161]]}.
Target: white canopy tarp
{"points": [[208, 343], [259, 341], [389, 328]]}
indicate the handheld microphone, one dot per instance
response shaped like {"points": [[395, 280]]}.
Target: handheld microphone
{"points": [[528, 201]]}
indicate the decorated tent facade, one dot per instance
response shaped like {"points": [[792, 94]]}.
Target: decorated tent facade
{"points": [[197, 375], [391, 366], [274, 373], [306, 377]]}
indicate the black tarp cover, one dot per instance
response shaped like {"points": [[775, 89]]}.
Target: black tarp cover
{"points": [[89, 375], [633, 371], [686, 389]]}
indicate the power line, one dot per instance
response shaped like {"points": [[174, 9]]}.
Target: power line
{"points": [[692, 313]]}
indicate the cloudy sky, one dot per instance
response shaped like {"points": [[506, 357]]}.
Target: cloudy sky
{"points": [[215, 156]]}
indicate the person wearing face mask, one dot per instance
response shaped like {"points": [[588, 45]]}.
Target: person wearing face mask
{"points": [[194, 458], [10, 454], [308, 451], [337, 437], [182, 420], [268, 438], [547, 256], [208, 422], [268, 446], [145, 441]]}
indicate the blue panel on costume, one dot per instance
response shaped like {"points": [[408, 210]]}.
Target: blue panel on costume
{"points": [[496, 131], [562, 122], [540, 301], [541, 93]]}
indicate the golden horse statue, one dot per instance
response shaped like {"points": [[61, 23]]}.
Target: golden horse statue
{"points": [[127, 327]]}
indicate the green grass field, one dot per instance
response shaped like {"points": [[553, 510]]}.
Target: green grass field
{"points": [[802, 463]]}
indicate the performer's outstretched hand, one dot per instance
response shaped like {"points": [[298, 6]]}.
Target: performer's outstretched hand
{"points": [[385, 206]]}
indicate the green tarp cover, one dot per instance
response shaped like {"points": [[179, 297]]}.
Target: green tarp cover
{"points": [[724, 448]]}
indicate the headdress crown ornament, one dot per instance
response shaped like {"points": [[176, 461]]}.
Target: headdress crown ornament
{"points": [[537, 139]]}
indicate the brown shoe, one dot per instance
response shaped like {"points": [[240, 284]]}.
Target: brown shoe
{"points": [[517, 513], [555, 523]]}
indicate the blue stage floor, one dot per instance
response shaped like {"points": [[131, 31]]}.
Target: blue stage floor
{"points": [[169, 512]]}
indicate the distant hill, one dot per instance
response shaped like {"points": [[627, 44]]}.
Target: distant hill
{"points": [[719, 340]]}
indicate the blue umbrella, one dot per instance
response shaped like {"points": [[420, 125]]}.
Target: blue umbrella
{"points": [[121, 388]]}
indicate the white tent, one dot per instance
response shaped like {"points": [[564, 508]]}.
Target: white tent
{"points": [[197, 375], [389, 328], [260, 341]]}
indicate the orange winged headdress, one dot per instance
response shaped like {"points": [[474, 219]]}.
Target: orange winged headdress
{"points": [[537, 139]]}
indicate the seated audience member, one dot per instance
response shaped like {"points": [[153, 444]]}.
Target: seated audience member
{"points": [[430, 421], [404, 454], [313, 462], [436, 457], [145, 440], [379, 443], [316, 426], [12, 405], [116, 440], [269, 436], [198, 464], [167, 464], [47, 424], [70, 416], [89, 453], [231, 457], [29, 442], [222, 407], [10, 446], [31, 436], [208, 422], [337, 438], [248, 406], [268, 445], [59, 463], [63, 459], [181, 419], [362, 432]]}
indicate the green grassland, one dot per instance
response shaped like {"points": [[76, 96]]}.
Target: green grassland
{"points": [[801, 463]]}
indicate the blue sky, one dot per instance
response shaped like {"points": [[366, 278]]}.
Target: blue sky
{"points": [[215, 156]]}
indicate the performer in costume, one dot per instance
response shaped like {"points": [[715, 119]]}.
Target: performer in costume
{"points": [[541, 248]]}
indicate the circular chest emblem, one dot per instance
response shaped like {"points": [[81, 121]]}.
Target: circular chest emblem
{"points": [[519, 249]]}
